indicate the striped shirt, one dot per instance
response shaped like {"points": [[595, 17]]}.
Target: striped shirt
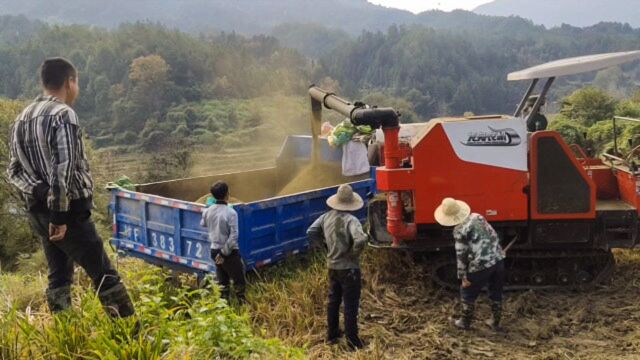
{"points": [[47, 149]]}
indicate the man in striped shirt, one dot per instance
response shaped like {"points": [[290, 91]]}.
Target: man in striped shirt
{"points": [[49, 165]]}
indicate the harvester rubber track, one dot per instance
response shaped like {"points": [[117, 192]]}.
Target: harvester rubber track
{"points": [[525, 269], [539, 270]]}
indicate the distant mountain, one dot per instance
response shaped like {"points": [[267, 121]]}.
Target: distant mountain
{"points": [[244, 16], [248, 16], [310, 26], [574, 12], [315, 39]]}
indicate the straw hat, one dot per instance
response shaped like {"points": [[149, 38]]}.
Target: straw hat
{"points": [[345, 199], [452, 212]]}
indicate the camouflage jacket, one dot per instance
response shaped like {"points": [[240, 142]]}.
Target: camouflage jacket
{"points": [[477, 245]]}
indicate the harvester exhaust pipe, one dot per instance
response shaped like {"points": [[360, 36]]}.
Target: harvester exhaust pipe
{"points": [[385, 118]]}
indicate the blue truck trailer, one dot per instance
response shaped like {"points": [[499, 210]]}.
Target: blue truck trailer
{"points": [[160, 222]]}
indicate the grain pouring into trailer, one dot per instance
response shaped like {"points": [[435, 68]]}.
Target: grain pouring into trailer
{"points": [[160, 222]]}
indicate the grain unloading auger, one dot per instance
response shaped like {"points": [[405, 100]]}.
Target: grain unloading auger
{"points": [[565, 210]]}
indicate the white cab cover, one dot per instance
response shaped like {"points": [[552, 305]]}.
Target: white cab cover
{"points": [[575, 65]]}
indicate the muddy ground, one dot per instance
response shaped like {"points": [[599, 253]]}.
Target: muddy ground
{"points": [[405, 316]]}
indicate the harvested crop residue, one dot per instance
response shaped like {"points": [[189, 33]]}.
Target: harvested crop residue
{"points": [[404, 316]]}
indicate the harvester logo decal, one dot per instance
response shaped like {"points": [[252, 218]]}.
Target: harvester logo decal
{"points": [[493, 137]]}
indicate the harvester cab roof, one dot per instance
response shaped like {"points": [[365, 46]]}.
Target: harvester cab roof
{"points": [[564, 67]]}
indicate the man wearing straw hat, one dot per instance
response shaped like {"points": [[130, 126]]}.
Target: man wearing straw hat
{"points": [[480, 259], [345, 240]]}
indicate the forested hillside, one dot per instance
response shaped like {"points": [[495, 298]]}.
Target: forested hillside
{"points": [[246, 16], [143, 84], [444, 72], [131, 77]]}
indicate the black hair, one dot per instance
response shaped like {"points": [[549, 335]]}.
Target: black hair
{"points": [[55, 71], [219, 190]]}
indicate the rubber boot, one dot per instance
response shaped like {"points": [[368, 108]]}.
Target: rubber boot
{"points": [[240, 294], [116, 301], [225, 293], [466, 316], [334, 338], [355, 343], [496, 316], [59, 299]]}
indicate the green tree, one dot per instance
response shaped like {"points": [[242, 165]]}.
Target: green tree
{"points": [[571, 131], [182, 131], [192, 117], [126, 138], [588, 106], [148, 76], [403, 106], [173, 161], [601, 136], [628, 108], [177, 118], [154, 141], [254, 120], [15, 234], [630, 137]]}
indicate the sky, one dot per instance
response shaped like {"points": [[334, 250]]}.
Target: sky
{"points": [[417, 6]]}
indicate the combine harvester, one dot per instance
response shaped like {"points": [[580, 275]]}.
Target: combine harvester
{"points": [[562, 211]]}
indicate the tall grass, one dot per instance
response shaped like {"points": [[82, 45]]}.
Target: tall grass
{"points": [[176, 322], [403, 317]]}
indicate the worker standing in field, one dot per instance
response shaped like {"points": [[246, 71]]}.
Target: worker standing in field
{"points": [[49, 165], [345, 240], [222, 223], [480, 259]]}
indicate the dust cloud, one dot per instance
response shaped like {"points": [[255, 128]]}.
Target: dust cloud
{"points": [[259, 147], [315, 175]]}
